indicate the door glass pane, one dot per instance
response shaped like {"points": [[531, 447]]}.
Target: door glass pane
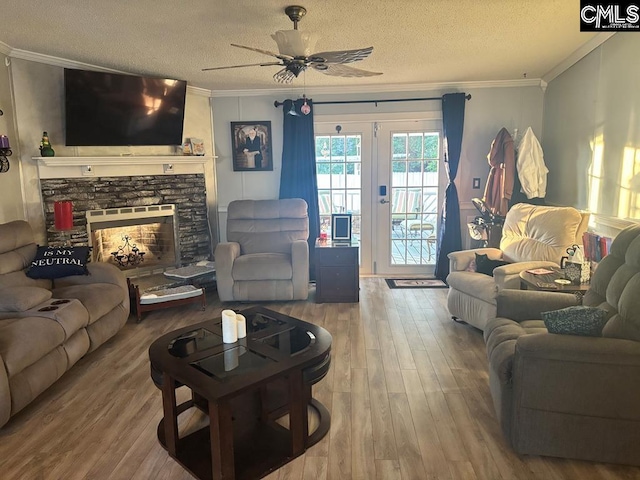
{"points": [[414, 197], [399, 145], [339, 174], [322, 148], [415, 145], [432, 145]]}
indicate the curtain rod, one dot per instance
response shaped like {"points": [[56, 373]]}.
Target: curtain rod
{"points": [[341, 102]]}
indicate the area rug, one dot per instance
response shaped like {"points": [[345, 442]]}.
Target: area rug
{"points": [[415, 283]]}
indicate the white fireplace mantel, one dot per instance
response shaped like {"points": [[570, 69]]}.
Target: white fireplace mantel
{"points": [[116, 166]]}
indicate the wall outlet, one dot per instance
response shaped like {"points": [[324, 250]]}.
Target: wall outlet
{"points": [[87, 171], [476, 183], [168, 167]]}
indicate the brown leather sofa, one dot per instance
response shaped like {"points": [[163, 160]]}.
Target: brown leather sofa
{"points": [[47, 326], [567, 395]]}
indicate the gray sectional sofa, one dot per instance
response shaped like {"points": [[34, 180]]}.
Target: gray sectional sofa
{"points": [[46, 326]]}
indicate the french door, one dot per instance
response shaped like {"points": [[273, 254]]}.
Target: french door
{"points": [[410, 182], [388, 176]]}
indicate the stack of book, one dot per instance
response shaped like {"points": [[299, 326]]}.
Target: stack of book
{"points": [[595, 246]]}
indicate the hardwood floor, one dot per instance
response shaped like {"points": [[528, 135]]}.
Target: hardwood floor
{"points": [[408, 392]]}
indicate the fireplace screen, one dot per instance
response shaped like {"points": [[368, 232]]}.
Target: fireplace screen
{"points": [[134, 238]]}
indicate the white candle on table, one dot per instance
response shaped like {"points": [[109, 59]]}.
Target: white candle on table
{"points": [[241, 322], [229, 328]]}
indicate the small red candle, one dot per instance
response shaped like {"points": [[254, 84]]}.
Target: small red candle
{"points": [[63, 215]]}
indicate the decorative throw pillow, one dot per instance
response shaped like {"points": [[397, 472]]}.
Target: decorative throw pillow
{"points": [[20, 299], [57, 262], [485, 265], [579, 320]]}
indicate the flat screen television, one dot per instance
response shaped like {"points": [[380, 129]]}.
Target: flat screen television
{"points": [[109, 109]]}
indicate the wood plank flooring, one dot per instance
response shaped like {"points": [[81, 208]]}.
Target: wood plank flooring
{"points": [[408, 392]]}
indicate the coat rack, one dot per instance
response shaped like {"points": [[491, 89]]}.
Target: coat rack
{"points": [[5, 151]]}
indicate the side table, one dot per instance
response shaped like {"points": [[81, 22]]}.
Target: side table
{"points": [[337, 272], [546, 282]]}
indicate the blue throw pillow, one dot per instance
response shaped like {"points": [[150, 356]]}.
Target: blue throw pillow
{"points": [[485, 265], [58, 262], [584, 321]]}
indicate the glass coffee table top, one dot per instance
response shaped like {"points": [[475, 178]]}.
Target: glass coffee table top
{"points": [[234, 361], [193, 342]]}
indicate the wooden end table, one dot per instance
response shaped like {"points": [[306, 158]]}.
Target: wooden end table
{"points": [[546, 282], [244, 387], [337, 272]]}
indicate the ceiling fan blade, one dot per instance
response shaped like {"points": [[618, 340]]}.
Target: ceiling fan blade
{"points": [[264, 52], [338, 70], [341, 56], [241, 66]]}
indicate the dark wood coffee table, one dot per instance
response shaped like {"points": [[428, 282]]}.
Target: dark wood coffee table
{"points": [[243, 387]]}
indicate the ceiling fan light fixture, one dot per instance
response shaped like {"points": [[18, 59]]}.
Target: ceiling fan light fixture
{"points": [[295, 43], [296, 55]]}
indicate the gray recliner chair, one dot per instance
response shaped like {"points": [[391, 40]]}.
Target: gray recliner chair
{"points": [[568, 395], [266, 256]]}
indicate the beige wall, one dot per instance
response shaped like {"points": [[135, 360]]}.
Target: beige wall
{"points": [[11, 206], [486, 113], [592, 131]]}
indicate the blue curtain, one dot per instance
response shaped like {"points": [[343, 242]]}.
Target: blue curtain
{"points": [[298, 175], [449, 236]]}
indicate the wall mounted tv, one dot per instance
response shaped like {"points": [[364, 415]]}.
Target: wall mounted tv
{"points": [[109, 109]]}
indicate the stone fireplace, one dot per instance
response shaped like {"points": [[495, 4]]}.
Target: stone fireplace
{"points": [[171, 204]]}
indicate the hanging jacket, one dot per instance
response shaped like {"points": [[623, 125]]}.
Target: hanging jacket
{"points": [[532, 171], [499, 188]]}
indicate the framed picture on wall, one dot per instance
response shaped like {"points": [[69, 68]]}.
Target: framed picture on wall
{"points": [[251, 142]]}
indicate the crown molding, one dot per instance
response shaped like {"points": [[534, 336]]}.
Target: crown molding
{"points": [[577, 55], [387, 88], [203, 92], [58, 61], [5, 49], [66, 63]]}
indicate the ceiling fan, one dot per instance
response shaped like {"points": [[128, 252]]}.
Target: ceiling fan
{"points": [[295, 54]]}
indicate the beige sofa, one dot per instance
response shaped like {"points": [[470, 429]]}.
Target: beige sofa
{"points": [[266, 256], [567, 395], [532, 237], [39, 343]]}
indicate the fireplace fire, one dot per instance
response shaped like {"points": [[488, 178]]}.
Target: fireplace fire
{"points": [[134, 237]]}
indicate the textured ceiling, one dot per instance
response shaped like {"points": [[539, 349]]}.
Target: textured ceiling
{"points": [[415, 41]]}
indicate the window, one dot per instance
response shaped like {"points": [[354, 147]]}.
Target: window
{"points": [[339, 172]]}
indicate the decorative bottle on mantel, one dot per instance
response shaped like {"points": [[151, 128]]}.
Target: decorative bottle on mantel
{"points": [[45, 146]]}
